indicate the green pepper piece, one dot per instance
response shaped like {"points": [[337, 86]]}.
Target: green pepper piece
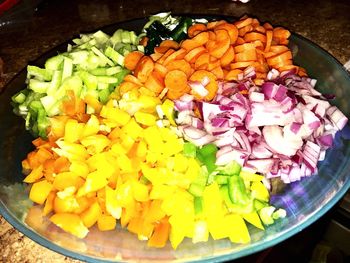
{"points": [[237, 191], [180, 31], [189, 149]]}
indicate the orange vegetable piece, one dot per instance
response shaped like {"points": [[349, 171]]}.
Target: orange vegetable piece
{"points": [[93, 102], [34, 175], [133, 79], [243, 22], [155, 82], [179, 54], [213, 24], [40, 191], [175, 80], [61, 164], [202, 61], [253, 36], [165, 55], [160, 69], [126, 86], [232, 74], [244, 30], [161, 50], [195, 29], [91, 215], [70, 223], [231, 29], [260, 29], [160, 234], [212, 86], [222, 43], [280, 58], [218, 72], [144, 68], [143, 41], [180, 64], [169, 43], [268, 40], [197, 41], [248, 55], [49, 203], [132, 59], [194, 54]]}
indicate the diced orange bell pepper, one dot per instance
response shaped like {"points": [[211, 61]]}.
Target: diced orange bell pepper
{"points": [[70, 223], [39, 191], [106, 222], [91, 215]]}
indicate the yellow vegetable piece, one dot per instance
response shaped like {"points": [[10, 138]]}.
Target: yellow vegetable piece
{"points": [[140, 191], [73, 130], [254, 219], [141, 149], [94, 181], [248, 176], [70, 223], [124, 163], [65, 205], [106, 222], [67, 179], [80, 168], [236, 228], [200, 233], [90, 216], [49, 203], [73, 151], [259, 191], [118, 116], [34, 175], [133, 129], [95, 143], [168, 110], [146, 119], [112, 205], [40, 191], [91, 127]]}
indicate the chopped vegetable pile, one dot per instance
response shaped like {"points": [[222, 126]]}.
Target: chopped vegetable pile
{"points": [[174, 133]]}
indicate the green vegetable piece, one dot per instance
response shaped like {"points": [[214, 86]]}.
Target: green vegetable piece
{"points": [[102, 56], [103, 95], [221, 179], [279, 213], [38, 85], [259, 204], [232, 207], [196, 189], [115, 56], [180, 31], [54, 63], [233, 168], [208, 149], [39, 73], [265, 214], [198, 205], [67, 68], [237, 191], [19, 97], [189, 149]]}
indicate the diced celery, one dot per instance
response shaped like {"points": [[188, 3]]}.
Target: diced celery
{"points": [[113, 70], [107, 79], [54, 63], [99, 71], [101, 37], [19, 98], [79, 56], [89, 80], [115, 56], [38, 85], [196, 189], [39, 73], [67, 70], [103, 95], [55, 82], [266, 215], [102, 56]]}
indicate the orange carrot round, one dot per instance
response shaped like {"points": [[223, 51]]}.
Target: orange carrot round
{"points": [[131, 59]]}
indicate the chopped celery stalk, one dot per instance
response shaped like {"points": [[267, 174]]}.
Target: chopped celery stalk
{"points": [[259, 204], [55, 82], [221, 179], [39, 73], [47, 102], [265, 214], [237, 191], [19, 98], [103, 95], [98, 71], [79, 56], [101, 37], [107, 79], [126, 37], [38, 85], [54, 63], [113, 70], [67, 68], [71, 83], [89, 80], [196, 189], [189, 149], [102, 56], [279, 213], [115, 56], [102, 86], [141, 48], [117, 36], [198, 205]]}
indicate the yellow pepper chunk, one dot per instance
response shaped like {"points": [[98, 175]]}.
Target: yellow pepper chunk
{"points": [[168, 110], [94, 181], [118, 116], [91, 127], [95, 143], [140, 192], [91, 215], [40, 191], [254, 219], [106, 222], [34, 175], [70, 223], [236, 228], [112, 205], [73, 130], [80, 168], [146, 119], [259, 191]]}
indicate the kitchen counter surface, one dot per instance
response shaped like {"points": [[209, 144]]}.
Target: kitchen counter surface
{"points": [[33, 27]]}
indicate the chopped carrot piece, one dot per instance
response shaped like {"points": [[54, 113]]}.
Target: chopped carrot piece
{"points": [[175, 80], [131, 59], [212, 86], [196, 29], [144, 68]]}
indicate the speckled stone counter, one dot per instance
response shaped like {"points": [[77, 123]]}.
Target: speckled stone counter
{"points": [[35, 27]]}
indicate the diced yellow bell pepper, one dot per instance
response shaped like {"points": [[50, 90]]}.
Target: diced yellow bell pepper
{"points": [[248, 176], [140, 191], [259, 191], [201, 233], [65, 205], [67, 179], [141, 149], [118, 149], [254, 219], [133, 129], [162, 191], [80, 168], [91, 127], [119, 116], [40, 191], [90, 215], [49, 203], [112, 205], [73, 131], [34, 175], [124, 163], [95, 143], [236, 228], [217, 227], [94, 181], [126, 141], [70, 223], [212, 201], [168, 110], [146, 119], [73, 151], [124, 194], [106, 223]]}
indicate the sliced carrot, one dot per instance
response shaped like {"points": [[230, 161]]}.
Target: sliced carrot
{"points": [[249, 55], [268, 26], [228, 57], [195, 29], [212, 86], [213, 64], [258, 44], [162, 70], [242, 64], [240, 41], [212, 35], [222, 43], [174, 94], [218, 72], [260, 29], [244, 47], [194, 54], [131, 59], [279, 32], [202, 61], [253, 36], [268, 40], [243, 22], [231, 29], [144, 41], [165, 55], [155, 82], [284, 41], [144, 68], [213, 24], [210, 45], [280, 58], [197, 41], [133, 79], [156, 56], [126, 86], [179, 54], [244, 30], [175, 80], [232, 74], [277, 49], [169, 43], [161, 50], [180, 64]]}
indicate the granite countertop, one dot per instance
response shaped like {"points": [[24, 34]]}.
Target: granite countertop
{"points": [[34, 27]]}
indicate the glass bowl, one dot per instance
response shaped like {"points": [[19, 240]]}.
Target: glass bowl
{"points": [[305, 201]]}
